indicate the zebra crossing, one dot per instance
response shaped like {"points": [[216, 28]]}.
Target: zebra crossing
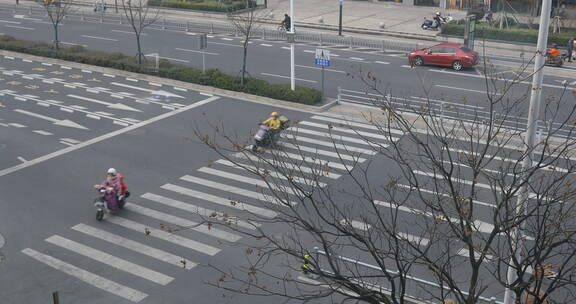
{"points": [[167, 225]]}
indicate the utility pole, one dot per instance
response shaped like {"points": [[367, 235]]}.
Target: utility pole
{"points": [[292, 20], [531, 128], [340, 19]]}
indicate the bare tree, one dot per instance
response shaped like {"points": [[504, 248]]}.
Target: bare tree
{"points": [[433, 193], [139, 17], [246, 24], [56, 11]]}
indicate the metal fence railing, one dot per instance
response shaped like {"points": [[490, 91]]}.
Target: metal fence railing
{"points": [[265, 32], [454, 110]]}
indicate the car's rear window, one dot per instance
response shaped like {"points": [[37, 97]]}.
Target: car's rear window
{"points": [[465, 49]]}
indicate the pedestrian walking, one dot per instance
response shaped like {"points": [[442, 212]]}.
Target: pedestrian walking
{"points": [[570, 49]]}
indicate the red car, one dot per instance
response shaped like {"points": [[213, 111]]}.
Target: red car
{"points": [[454, 55]]}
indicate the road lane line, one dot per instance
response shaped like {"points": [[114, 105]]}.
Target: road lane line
{"points": [[73, 43], [328, 144], [13, 22], [356, 58], [87, 277], [104, 137], [359, 225], [382, 62], [128, 32], [272, 173], [299, 167], [226, 44], [182, 223], [195, 51], [220, 201], [22, 159], [316, 68], [349, 131], [315, 161], [20, 27], [413, 238], [135, 246], [227, 39], [466, 253], [42, 132], [110, 260], [265, 44], [287, 77], [468, 90], [222, 217], [163, 235], [101, 38], [235, 190]]}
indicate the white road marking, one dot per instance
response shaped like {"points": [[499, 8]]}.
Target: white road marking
{"points": [[195, 51], [128, 32], [155, 92], [323, 152], [382, 62], [87, 277], [101, 38], [67, 110], [117, 106], [316, 68], [65, 67], [265, 44], [286, 47], [154, 84], [226, 44], [227, 39], [180, 89], [446, 195], [22, 159], [20, 27], [349, 131], [287, 77], [413, 238], [73, 43], [42, 132], [329, 144], [163, 235], [117, 122], [356, 58], [234, 190], [406, 66], [47, 81], [479, 225], [71, 140], [468, 90], [93, 91], [87, 71], [135, 246], [307, 51], [58, 122], [26, 60], [220, 201], [272, 173], [17, 125], [335, 137], [98, 139], [110, 260], [109, 75], [299, 166], [66, 143], [356, 224], [182, 223], [13, 22], [465, 253], [205, 94], [131, 79], [226, 219]]}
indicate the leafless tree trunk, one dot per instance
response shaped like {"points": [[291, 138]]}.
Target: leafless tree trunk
{"points": [[429, 194], [139, 16], [56, 11], [246, 24]]}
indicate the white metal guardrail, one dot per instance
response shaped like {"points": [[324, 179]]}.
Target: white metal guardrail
{"points": [[413, 285], [452, 110], [264, 32]]}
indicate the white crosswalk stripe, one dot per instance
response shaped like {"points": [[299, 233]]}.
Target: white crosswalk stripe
{"points": [[248, 180], [313, 160], [221, 201], [345, 130], [110, 260], [341, 155], [234, 190], [135, 246], [209, 213], [413, 238], [298, 130], [163, 235], [297, 167], [329, 144], [356, 124], [182, 223], [87, 277], [272, 173]]}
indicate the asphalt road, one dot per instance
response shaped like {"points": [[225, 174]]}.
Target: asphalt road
{"points": [[270, 60]]}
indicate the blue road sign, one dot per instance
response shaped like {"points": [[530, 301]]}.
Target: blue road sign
{"points": [[322, 62]]}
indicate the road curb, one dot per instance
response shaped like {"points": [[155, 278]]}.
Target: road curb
{"points": [[170, 82]]}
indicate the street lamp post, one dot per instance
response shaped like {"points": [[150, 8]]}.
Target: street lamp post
{"points": [[340, 19], [531, 128], [292, 20]]}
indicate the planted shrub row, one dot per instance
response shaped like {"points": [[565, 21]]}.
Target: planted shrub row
{"points": [[201, 5], [212, 77]]}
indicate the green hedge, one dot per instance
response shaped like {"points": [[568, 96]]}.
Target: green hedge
{"points": [[203, 5], [511, 34], [120, 61]]}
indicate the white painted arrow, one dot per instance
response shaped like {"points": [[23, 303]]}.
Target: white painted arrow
{"points": [[155, 92], [58, 122], [118, 106]]}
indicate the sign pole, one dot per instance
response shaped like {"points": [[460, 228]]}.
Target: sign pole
{"points": [[203, 62], [340, 19], [322, 84], [292, 72]]}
